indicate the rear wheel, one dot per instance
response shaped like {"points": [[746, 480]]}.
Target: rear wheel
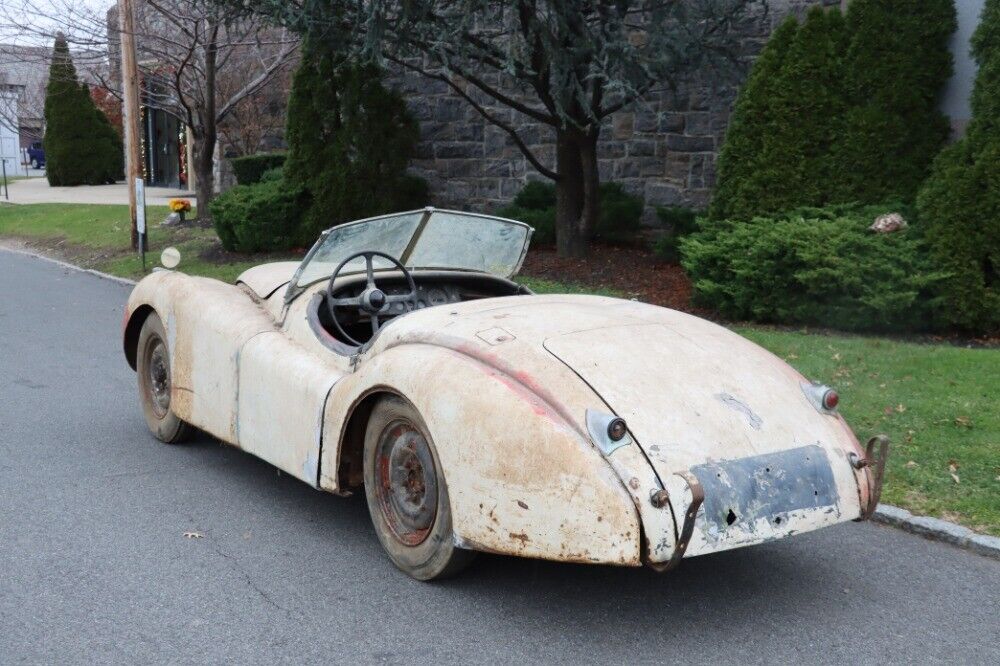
{"points": [[153, 372], [407, 494]]}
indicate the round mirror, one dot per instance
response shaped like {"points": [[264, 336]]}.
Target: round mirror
{"points": [[170, 257]]}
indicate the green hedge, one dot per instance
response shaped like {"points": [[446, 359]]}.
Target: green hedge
{"points": [[678, 223], [814, 266], [264, 216], [960, 203], [250, 169], [620, 218], [839, 111]]}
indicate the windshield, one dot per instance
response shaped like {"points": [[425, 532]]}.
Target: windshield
{"points": [[430, 238]]}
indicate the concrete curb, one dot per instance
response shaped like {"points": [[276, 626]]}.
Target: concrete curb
{"points": [[63, 264], [930, 528], [938, 530]]}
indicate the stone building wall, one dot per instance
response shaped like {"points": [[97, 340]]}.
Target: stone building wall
{"points": [[662, 148]]}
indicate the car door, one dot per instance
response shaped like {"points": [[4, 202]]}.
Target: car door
{"points": [[283, 388]]}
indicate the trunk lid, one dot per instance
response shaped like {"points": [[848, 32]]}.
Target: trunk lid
{"points": [[698, 398]]}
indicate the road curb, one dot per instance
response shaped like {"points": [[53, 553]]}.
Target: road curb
{"points": [[938, 530], [63, 264]]}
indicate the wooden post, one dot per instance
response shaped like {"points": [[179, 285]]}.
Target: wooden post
{"points": [[131, 120]]}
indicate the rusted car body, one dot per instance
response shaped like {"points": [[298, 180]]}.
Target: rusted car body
{"points": [[722, 444]]}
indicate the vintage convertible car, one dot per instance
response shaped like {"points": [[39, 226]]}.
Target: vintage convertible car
{"points": [[400, 357]]}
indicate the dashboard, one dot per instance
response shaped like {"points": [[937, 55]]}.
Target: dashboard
{"points": [[433, 289]]}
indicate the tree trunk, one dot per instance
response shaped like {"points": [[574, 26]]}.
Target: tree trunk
{"points": [[577, 193], [204, 167], [207, 134]]}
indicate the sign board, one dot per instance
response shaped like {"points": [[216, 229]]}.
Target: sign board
{"points": [[140, 205]]}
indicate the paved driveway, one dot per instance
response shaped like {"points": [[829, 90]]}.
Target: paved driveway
{"points": [[38, 190], [94, 567]]}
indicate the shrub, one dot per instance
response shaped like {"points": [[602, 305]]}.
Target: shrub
{"points": [[837, 111], [620, 218], [349, 141], [959, 204], [679, 222], [813, 266], [265, 216], [897, 63], [250, 169], [81, 146], [755, 116]]}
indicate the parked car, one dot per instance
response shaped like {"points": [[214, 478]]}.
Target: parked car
{"points": [[400, 359], [36, 155]]}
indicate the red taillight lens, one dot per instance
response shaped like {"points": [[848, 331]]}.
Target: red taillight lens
{"points": [[830, 400]]}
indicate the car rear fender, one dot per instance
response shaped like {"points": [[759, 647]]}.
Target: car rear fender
{"points": [[523, 479]]}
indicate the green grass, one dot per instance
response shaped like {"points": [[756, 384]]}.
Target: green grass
{"points": [[938, 403], [97, 236]]}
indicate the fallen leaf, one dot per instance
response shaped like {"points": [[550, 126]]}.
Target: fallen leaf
{"points": [[888, 411], [954, 477], [194, 535], [953, 465], [963, 421], [836, 357], [792, 356], [900, 408], [912, 464]]}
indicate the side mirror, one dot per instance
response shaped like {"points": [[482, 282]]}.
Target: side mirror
{"points": [[170, 257]]}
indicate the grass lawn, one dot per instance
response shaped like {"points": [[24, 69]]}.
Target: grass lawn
{"points": [[940, 404], [97, 236]]}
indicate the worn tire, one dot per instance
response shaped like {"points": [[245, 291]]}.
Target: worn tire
{"points": [[436, 555], [153, 356]]}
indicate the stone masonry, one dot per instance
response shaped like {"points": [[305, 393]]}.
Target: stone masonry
{"points": [[662, 148]]}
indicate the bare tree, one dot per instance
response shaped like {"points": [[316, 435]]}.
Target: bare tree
{"points": [[185, 49]]}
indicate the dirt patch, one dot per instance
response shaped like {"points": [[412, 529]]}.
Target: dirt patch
{"points": [[634, 271]]}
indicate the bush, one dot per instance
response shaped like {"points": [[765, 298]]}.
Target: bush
{"points": [[350, 141], [813, 266], [756, 116], [81, 146], [837, 111], [897, 63], [250, 169], [265, 216], [620, 218], [679, 222], [959, 204]]}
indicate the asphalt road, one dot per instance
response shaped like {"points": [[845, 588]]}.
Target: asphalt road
{"points": [[95, 568]]}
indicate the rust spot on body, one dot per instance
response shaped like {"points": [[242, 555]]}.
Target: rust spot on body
{"points": [[523, 538]]}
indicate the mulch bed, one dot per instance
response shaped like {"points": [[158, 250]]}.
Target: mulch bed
{"points": [[635, 271]]}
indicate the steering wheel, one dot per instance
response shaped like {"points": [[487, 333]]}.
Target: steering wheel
{"points": [[372, 300]]}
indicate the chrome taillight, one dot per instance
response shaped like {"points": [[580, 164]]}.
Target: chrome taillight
{"points": [[822, 397]]}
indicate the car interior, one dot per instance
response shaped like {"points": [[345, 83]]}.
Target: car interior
{"points": [[433, 288]]}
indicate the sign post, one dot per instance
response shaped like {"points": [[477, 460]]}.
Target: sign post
{"points": [[140, 218]]}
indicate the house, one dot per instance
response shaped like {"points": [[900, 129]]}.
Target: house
{"points": [[10, 148]]}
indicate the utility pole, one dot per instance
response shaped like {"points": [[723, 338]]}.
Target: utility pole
{"points": [[130, 91]]}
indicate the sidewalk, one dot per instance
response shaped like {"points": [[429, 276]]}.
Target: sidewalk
{"points": [[37, 190]]}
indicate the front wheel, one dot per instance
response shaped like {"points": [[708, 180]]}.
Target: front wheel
{"points": [[153, 371], [407, 495]]}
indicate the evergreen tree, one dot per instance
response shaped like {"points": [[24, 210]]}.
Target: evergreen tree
{"points": [[349, 141], [81, 147], [959, 205], [777, 153], [754, 117], [897, 63]]}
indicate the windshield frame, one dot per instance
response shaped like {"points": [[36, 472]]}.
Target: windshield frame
{"points": [[294, 288]]}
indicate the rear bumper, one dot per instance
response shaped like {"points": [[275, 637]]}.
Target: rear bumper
{"points": [[747, 501]]}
